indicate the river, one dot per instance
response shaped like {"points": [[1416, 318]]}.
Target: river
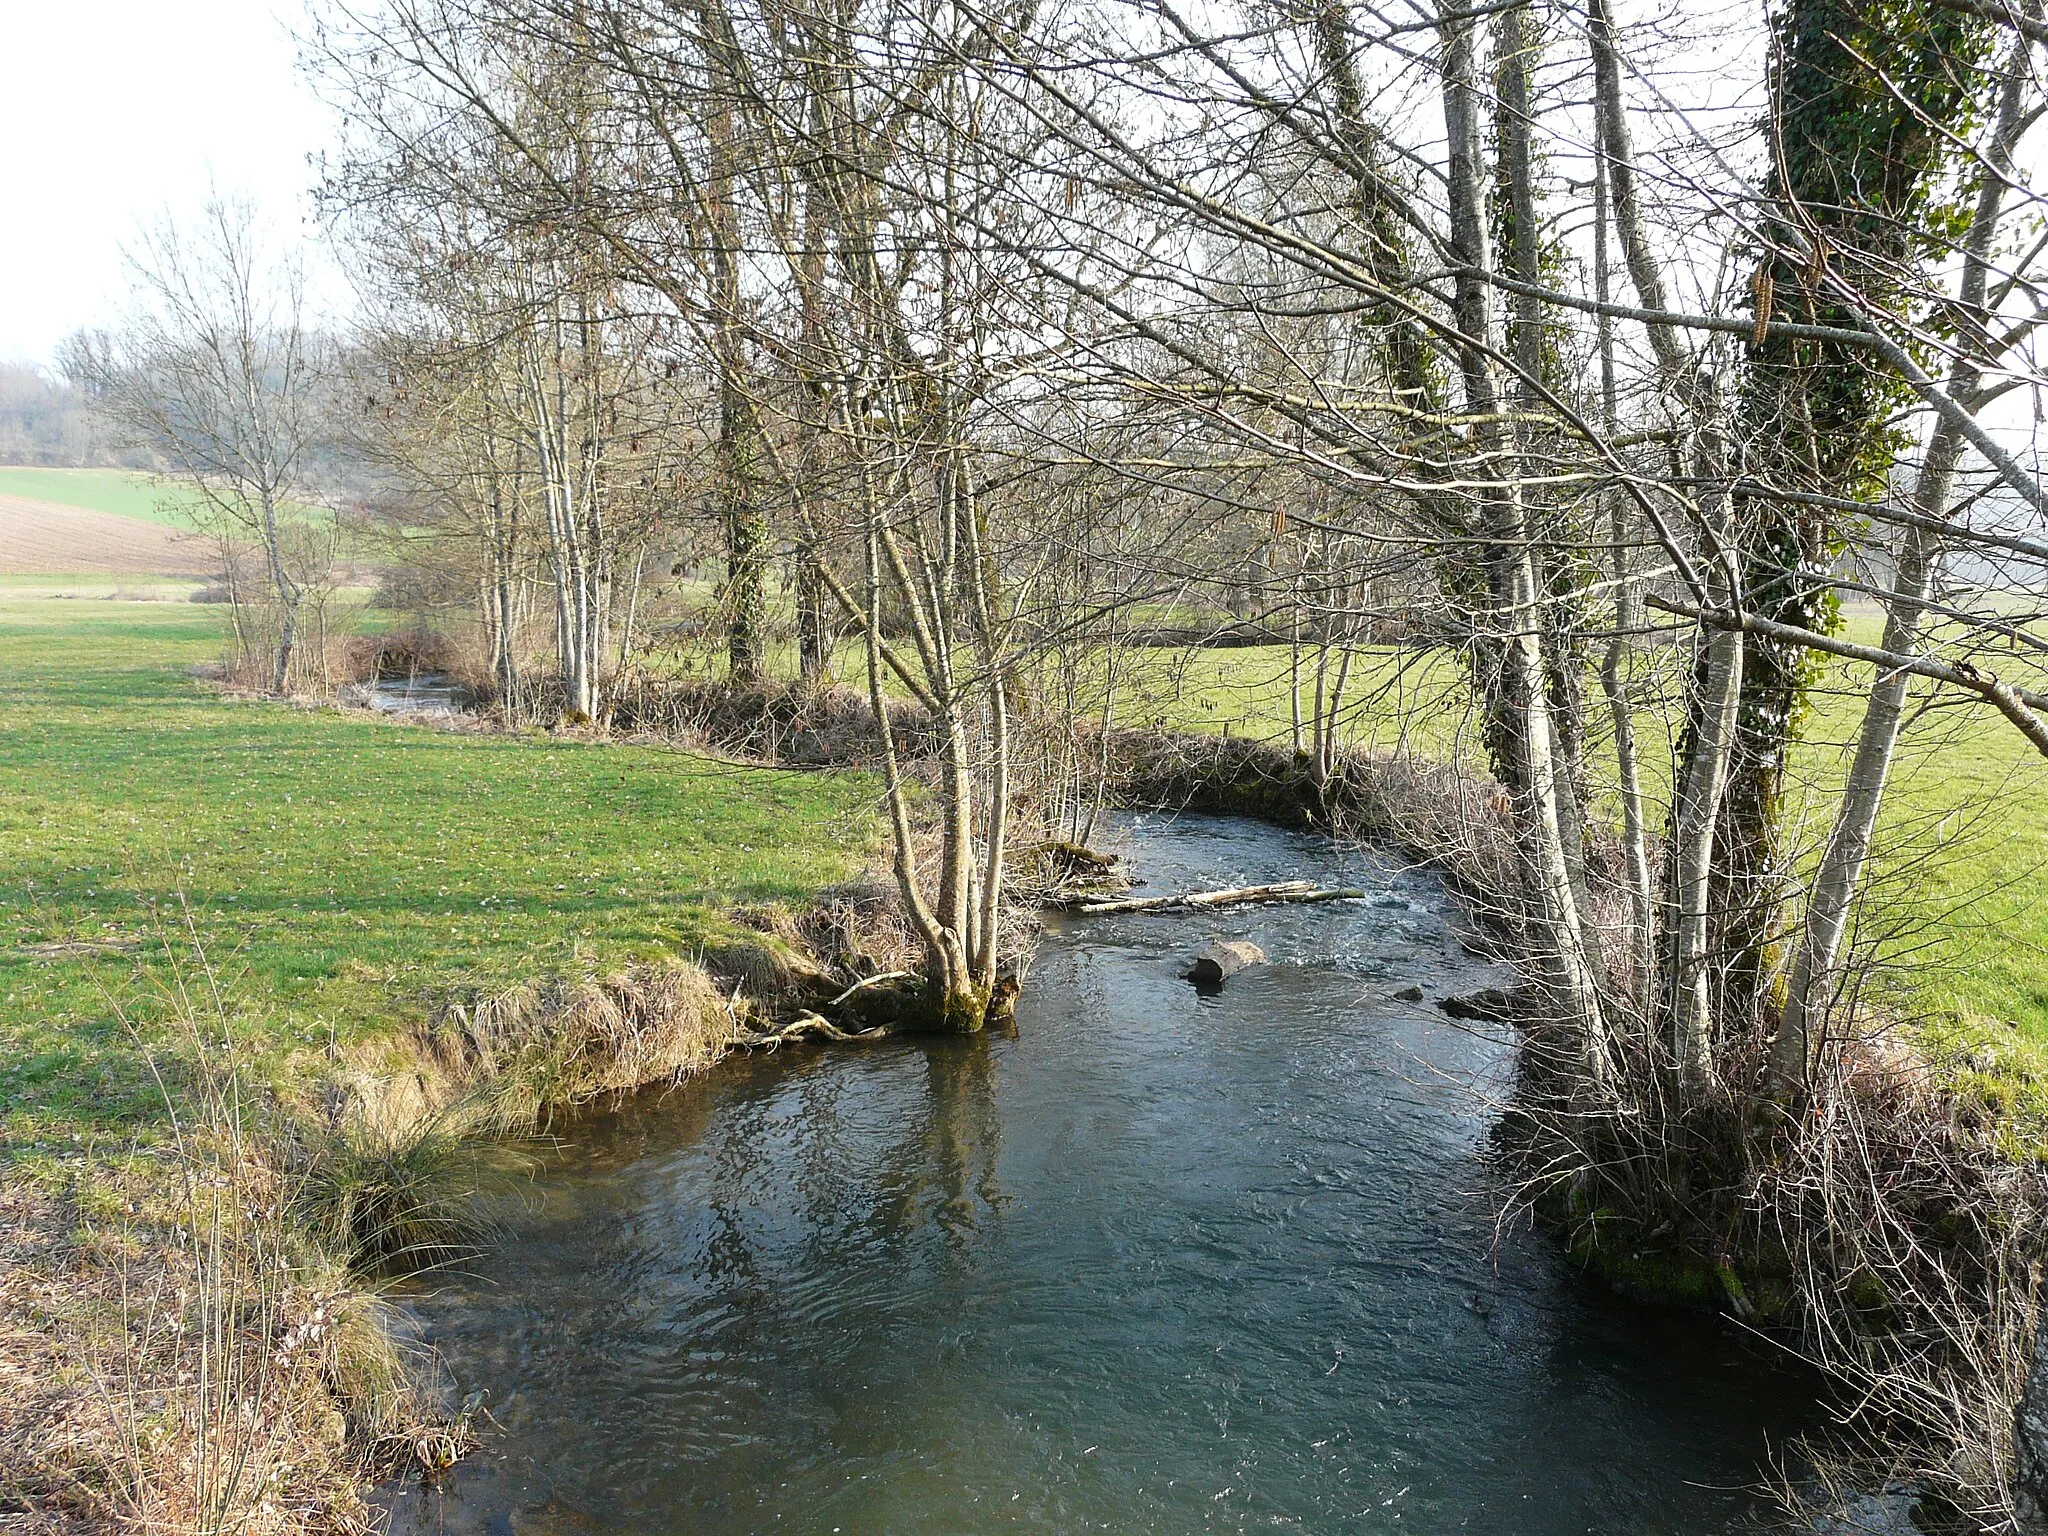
{"points": [[1155, 1263]]}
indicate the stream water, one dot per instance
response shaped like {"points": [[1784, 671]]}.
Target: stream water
{"points": [[1156, 1263], [415, 693]]}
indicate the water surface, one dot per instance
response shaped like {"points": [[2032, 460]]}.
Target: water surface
{"points": [[1157, 1263]]}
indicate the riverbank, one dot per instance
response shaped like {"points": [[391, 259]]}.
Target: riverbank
{"points": [[410, 915], [379, 903]]}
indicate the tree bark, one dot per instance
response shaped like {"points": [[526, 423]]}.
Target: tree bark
{"points": [[1836, 882], [1520, 700]]}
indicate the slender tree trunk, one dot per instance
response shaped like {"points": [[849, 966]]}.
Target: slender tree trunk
{"points": [[1695, 817], [1848, 846], [282, 588], [632, 610], [1294, 661], [504, 602], [813, 623], [1842, 863], [1521, 699], [1614, 665], [739, 450], [1617, 160]]}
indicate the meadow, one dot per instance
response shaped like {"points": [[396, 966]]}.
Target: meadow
{"points": [[125, 493], [339, 871], [343, 871]]}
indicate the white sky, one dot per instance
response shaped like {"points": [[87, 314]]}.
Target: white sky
{"points": [[115, 111]]}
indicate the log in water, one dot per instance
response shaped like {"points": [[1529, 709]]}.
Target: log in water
{"points": [[1159, 1263]]}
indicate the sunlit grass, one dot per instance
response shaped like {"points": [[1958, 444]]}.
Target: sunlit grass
{"points": [[340, 869]]}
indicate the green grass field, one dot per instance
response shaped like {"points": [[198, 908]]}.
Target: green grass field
{"points": [[119, 491], [126, 493], [339, 869], [342, 868]]}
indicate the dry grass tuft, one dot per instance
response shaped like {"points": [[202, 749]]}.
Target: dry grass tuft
{"points": [[565, 1039], [181, 1356]]}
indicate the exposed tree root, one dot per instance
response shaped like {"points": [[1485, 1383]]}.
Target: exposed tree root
{"points": [[810, 1026]]}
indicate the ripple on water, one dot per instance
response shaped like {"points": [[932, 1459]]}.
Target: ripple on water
{"points": [[1157, 1263]]}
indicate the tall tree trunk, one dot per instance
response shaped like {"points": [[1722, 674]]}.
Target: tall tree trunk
{"points": [[1858, 145], [1520, 698], [1614, 664], [1842, 862], [1617, 160], [1695, 818], [739, 452], [283, 590]]}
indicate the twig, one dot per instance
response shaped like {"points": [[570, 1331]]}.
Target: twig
{"points": [[869, 981]]}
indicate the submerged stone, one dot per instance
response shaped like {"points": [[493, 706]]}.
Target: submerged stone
{"points": [[1493, 1005]]}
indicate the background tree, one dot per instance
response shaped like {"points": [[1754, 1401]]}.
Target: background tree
{"points": [[214, 373]]}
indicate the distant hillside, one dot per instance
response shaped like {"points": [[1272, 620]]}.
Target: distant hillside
{"points": [[121, 492], [44, 421]]}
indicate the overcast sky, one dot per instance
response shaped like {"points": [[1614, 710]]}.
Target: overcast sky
{"points": [[111, 112]]}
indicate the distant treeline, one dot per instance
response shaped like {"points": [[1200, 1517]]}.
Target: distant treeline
{"points": [[44, 421]]}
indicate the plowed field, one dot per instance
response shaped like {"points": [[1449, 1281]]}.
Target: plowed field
{"points": [[45, 538]]}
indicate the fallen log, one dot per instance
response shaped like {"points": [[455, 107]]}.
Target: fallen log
{"points": [[1222, 960], [1283, 890]]}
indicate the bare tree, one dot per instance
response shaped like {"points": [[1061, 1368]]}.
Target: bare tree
{"points": [[215, 374]]}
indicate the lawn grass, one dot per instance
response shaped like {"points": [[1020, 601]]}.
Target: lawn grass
{"points": [[340, 870]]}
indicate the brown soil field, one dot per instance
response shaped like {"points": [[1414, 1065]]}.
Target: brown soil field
{"points": [[45, 538]]}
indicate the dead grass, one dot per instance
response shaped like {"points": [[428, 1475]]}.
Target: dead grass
{"points": [[175, 1357], [563, 1040]]}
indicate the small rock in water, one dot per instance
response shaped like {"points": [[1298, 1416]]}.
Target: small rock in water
{"points": [[1872, 1514], [1408, 995], [1222, 960], [1494, 1005]]}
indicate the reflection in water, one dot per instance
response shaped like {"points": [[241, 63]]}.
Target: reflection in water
{"points": [[946, 1171], [1159, 1263]]}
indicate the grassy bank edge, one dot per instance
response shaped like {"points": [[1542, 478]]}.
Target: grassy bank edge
{"points": [[341, 1164]]}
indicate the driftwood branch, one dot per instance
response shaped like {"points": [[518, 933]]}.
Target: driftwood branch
{"points": [[807, 1026]]}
